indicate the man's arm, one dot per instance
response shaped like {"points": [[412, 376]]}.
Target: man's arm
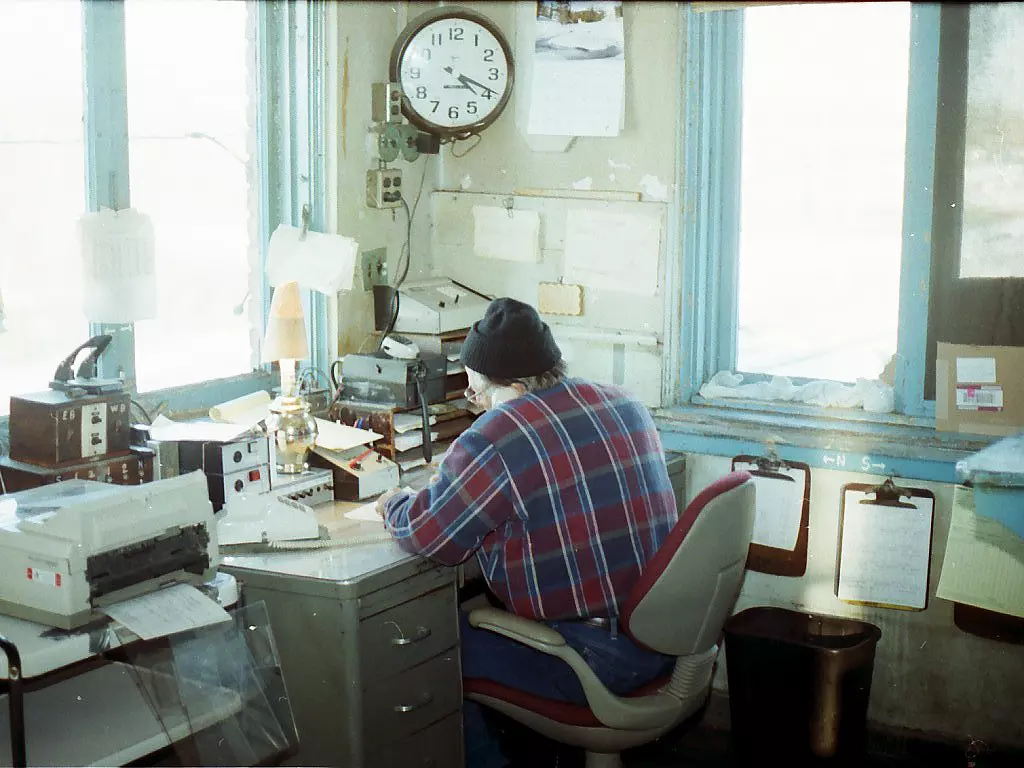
{"points": [[468, 499]]}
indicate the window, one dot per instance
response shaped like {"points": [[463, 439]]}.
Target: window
{"points": [[170, 107], [825, 189], [42, 191]]}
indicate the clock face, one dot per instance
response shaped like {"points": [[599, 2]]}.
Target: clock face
{"points": [[455, 73]]}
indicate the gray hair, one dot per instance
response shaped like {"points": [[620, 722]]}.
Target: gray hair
{"points": [[554, 375]]}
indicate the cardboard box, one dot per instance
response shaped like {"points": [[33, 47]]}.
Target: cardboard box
{"points": [[979, 390]]}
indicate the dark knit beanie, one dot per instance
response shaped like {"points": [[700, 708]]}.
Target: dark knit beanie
{"points": [[510, 342]]}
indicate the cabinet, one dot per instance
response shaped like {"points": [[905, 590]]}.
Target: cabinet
{"points": [[368, 642]]}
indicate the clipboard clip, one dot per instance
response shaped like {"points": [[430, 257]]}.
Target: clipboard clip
{"points": [[771, 465], [888, 494]]}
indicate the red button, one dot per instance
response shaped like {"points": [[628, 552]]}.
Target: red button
{"points": [[254, 475]]}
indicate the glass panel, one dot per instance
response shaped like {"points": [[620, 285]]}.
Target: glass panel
{"points": [[993, 226], [824, 125], [190, 76], [42, 191]]}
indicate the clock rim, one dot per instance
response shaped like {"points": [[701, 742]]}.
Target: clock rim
{"points": [[398, 51]]}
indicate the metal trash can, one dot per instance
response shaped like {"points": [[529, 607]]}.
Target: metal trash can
{"points": [[799, 685]]}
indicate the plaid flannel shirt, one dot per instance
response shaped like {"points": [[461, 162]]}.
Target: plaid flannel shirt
{"points": [[562, 493]]}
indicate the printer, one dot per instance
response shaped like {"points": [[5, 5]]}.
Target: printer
{"points": [[70, 548]]}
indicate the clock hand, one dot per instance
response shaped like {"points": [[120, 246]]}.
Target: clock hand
{"points": [[470, 82], [461, 80]]}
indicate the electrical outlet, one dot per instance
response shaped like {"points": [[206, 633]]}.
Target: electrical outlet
{"points": [[384, 188], [375, 268]]}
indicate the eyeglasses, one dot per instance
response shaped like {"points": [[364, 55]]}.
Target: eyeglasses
{"points": [[476, 397]]}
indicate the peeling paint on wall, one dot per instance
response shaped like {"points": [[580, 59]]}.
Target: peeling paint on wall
{"points": [[466, 182], [584, 183], [619, 166], [653, 188]]}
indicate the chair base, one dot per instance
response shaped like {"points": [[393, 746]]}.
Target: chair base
{"points": [[604, 760]]}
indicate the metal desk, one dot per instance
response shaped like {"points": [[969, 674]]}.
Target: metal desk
{"points": [[368, 641]]}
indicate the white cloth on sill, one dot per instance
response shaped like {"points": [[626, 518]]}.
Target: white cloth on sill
{"points": [[873, 396]]}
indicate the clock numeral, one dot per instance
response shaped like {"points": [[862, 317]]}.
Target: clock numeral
{"points": [[476, 39], [426, 53], [436, 38], [436, 105], [421, 92], [414, 73], [453, 112], [488, 54], [471, 107], [492, 73], [455, 33]]}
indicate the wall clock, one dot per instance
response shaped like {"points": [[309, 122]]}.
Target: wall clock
{"points": [[455, 70]]}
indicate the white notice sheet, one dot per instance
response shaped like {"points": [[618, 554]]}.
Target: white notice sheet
{"points": [[166, 611]]}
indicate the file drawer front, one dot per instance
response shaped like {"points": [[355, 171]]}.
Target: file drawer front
{"points": [[407, 634], [411, 700], [436, 746]]}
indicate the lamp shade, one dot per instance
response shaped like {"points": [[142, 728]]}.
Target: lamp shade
{"points": [[286, 326]]}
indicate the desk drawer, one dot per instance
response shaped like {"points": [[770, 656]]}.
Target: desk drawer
{"points": [[436, 746], [411, 700], [407, 634]]}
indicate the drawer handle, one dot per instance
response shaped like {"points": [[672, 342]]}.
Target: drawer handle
{"points": [[427, 698], [421, 634]]}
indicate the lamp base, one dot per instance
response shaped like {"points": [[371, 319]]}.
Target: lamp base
{"points": [[293, 429]]}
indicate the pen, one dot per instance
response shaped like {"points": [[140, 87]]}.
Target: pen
{"points": [[355, 463]]}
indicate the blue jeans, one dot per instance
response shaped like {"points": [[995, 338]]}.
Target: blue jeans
{"points": [[617, 661]]}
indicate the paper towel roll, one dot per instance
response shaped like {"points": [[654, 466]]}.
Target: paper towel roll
{"points": [[247, 409]]}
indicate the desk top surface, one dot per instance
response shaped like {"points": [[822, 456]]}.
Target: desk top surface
{"points": [[360, 549]]}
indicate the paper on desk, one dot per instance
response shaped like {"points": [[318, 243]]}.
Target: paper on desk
{"points": [[984, 561], [411, 440], [406, 421], [341, 437], [166, 611], [245, 410], [320, 262], [163, 428], [368, 512]]}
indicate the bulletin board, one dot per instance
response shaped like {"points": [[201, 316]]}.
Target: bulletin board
{"points": [[613, 247]]}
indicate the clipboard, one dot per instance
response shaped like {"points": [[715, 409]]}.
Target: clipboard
{"points": [[783, 514], [884, 554]]}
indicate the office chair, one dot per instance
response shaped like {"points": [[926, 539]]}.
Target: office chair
{"points": [[678, 607]]}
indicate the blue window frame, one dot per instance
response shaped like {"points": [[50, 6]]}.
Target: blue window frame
{"points": [[708, 284], [289, 141]]}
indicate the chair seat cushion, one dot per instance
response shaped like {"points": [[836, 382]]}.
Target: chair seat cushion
{"points": [[559, 711]]}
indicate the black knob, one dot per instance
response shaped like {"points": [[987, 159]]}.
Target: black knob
{"points": [[237, 457], [239, 485]]}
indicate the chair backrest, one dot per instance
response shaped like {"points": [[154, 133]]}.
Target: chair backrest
{"points": [[688, 589]]}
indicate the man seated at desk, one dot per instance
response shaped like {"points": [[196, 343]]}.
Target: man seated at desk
{"points": [[562, 491]]}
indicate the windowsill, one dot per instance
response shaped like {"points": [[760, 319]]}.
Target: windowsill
{"points": [[881, 444]]}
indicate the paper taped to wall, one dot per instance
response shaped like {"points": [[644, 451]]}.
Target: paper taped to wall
{"points": [[613, 251], [318, 262], [984, 561], [118, 266], [506, 234]]}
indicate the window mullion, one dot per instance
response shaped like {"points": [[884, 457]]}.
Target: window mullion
{"points": [[919, 185], [711, 205], [105, 83], [316, 68]]}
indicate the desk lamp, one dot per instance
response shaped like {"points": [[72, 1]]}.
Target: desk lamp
{"points": [[290, 424]]}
